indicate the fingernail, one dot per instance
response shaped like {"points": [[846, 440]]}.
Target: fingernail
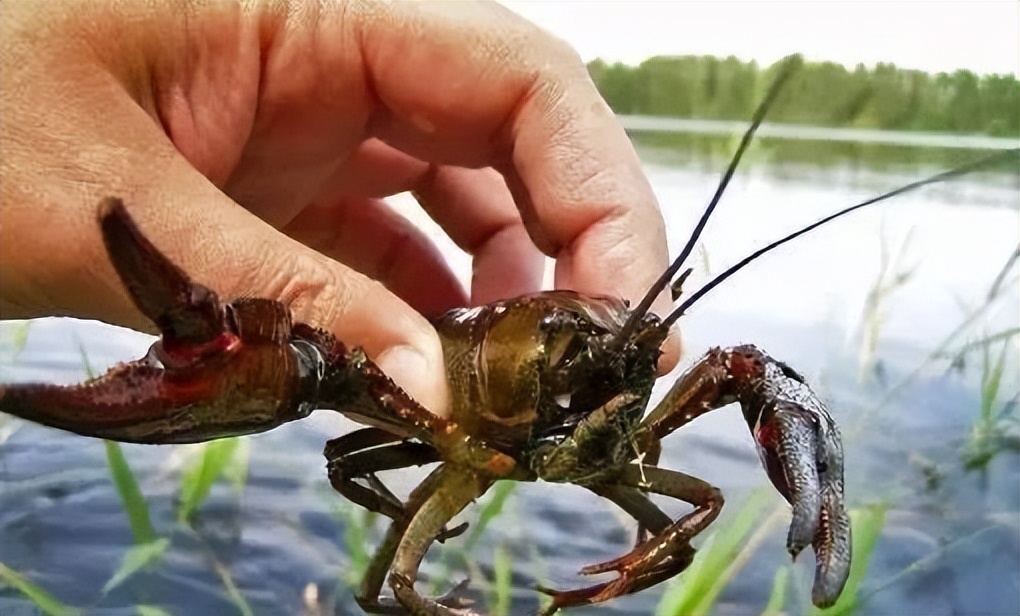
{"points": [[412, 372]]}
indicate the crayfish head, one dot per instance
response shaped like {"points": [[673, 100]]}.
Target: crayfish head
{"points": [[594, 388], [586, 363]]}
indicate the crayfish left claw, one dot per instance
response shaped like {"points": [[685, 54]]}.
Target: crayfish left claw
{"points": [[219, 369], [800, 447]]}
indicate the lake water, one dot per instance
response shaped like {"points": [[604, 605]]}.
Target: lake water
{"points": [[951, 540]]}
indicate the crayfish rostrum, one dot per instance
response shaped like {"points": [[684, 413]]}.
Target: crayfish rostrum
{"points": [[551, 386]]}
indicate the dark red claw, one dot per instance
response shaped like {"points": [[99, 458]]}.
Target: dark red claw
{"points": [[162, 291], [218, 370], [122, 405]]}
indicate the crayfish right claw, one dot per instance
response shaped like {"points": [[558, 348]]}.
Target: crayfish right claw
{"points": [[810, 475], [801, 450], [792, 448]]}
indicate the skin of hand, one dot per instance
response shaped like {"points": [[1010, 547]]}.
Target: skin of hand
{"points": [[254, 143]]}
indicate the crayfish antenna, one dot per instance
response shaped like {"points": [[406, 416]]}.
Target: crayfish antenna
{"points": [[982, 163], [786, 68]]}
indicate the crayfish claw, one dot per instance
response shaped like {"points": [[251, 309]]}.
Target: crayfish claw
{"points": [[810, 456], [802, 452], [831, 543], [219, 369], [796, 449], [180, 308]]}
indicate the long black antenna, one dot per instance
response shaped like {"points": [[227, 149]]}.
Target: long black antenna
{"points": [[787, 68], [981, 163]]}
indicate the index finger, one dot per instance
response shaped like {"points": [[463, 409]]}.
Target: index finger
{"points": [[499, 91]]}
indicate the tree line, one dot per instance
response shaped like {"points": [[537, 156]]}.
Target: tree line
{"points": [[820, 93]]}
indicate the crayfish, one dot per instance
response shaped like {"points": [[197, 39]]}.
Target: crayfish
{"points": [[551, 386]]}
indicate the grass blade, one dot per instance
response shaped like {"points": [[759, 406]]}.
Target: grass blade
{"points": [[491, 508], [721, 557], [17, 333], [198, 479], [991, 380], [502, 573], [232, 591], [356, 523], [990, 433], [236, 470], [47, 603], [777, 598], [135, 505], [136, 559]]}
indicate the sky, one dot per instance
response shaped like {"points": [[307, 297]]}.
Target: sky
{"points": [[983, 36]]}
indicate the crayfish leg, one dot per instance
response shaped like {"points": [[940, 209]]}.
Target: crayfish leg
{"points": [[361, 454], [597, 593], [442, 495], [666, 553], [456, 488]]}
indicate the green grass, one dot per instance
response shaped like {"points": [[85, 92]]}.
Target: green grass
{"points": [[137, 558], [211, 462], [15, 336], [950, 350], [357, 525], [780, 588], [227, 459], [235, 594], [892, 275], [499, 597], [491, 508], [997, 426], [47, 603], [722, 556], [134, 503]]}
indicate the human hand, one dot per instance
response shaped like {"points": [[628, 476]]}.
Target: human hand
{"points": [[254, 143]]}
